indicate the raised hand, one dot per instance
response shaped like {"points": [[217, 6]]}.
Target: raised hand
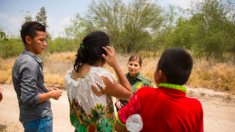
{"points": [[110, 58]]}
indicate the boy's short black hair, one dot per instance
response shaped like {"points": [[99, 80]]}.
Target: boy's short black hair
{"points": [[176, 63], [30, 29]]}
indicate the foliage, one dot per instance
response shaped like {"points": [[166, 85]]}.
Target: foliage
{"points": [[75, 33], [160, 38], [207, 28], [128, 25], [9, 46], [3, 41], [60, 44], [208, 32], [12, 47], [27, 16], [41, 16]]}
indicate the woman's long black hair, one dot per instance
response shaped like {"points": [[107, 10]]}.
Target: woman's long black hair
{"points": [[91, 50]]}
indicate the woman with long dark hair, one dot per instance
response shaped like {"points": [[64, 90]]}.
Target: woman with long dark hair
{"points": [[91, 87]]}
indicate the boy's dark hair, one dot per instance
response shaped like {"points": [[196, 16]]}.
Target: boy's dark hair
{"points": [[177, 65], [30, 29], [135, 57], [91, 49]]}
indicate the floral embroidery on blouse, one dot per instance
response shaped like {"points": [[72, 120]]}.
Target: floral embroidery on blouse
{"points": [[97, 115], [101, 118]]}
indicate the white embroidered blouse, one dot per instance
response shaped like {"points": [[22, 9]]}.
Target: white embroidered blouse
{"points": [[87, 108]]}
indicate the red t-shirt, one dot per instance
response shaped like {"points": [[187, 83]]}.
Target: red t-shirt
{"points": [[164, 110]]}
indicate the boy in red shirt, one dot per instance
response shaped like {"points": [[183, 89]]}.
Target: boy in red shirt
{"points": [[166, 109]]}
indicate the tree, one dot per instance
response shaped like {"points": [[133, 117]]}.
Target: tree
{"points": [[3, 42], [27, 16], [9, 46], [208, 31], [129, 25], [41, 17], [76, 31], [214, 34]]}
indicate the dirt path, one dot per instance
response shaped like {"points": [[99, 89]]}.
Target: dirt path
{"points": [[219, 115]]}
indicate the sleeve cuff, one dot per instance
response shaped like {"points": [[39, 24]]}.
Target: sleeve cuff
{"points": [[36, 100], [119, 120]]}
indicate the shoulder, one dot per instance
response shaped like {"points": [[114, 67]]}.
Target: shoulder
{"points": [[146, 91], [101, 72], [101, 76], [194, 103], [25, 61], [68, 78], [194, 100], [144, 79]]}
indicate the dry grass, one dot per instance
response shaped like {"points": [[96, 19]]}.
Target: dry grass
{"points": [[56, 67], [6, 69], [207, 74]]}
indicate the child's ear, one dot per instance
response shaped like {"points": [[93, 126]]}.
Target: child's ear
{"points": [[28, 40], [161, 77]]}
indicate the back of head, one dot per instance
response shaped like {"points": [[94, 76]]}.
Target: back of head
{"points": [[30, 29], [91, 49], [176, 63]]}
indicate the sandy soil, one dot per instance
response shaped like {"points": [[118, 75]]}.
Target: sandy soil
{"points": [[219, 111]]}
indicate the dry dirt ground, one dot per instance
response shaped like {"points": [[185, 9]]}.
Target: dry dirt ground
{"points": [[219, 111]]}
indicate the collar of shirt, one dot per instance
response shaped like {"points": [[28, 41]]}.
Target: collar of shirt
{"points": [[138, 76], [173, 86], [32, 55]]}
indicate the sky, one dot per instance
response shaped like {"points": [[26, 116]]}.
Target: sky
{"points": [[59, 13]]}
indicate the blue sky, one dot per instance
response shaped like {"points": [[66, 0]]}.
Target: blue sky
{"points": [[59, 12]]}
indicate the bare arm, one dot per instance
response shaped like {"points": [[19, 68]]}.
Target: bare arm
{"points": [[122, 78], [120, 128], [120, 90], [116, 89], [43, 97], [55, 94]]}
